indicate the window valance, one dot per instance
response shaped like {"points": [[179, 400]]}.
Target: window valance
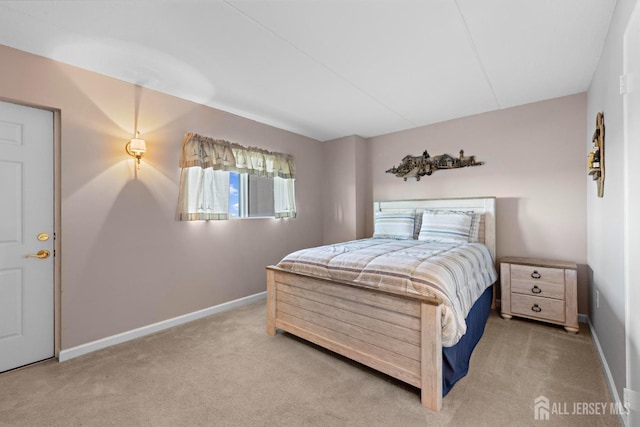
{"points": [[264, 182], [205, 152]]}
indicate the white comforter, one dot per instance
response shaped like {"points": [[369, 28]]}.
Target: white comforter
{"points": [[455, 274]]}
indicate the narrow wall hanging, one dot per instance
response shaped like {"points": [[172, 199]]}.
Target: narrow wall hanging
{"points": [[596, 155], [419, 166]]}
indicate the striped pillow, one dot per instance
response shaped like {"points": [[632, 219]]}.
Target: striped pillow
{"points": [[474, 234], [445, 226], [394, 225]]}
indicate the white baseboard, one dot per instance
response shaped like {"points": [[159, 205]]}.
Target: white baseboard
{"points": [[156, 327], [605, 367]]}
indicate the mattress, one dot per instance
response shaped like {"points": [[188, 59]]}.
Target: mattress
{"points": [[455, 274]]}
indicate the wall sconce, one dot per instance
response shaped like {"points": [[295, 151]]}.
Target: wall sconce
{"points": [[136, 148]]}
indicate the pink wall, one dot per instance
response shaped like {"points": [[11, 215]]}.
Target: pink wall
{"points": [[126, 262], [534, 164], [339, 211], [363, 186], [346, 189]]}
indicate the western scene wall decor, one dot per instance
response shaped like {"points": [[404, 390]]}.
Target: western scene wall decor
{"points": [[419, 166], [596, 155]]}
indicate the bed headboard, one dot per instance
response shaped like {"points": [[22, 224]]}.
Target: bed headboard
{"points": [[483, 205]]}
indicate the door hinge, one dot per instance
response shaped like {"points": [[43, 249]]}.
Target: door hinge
{"points": [[624, 84], [631, 400]]}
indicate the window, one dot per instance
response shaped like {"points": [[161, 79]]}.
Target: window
{"points": [[234, 195], [221, 180], [251, 195]]}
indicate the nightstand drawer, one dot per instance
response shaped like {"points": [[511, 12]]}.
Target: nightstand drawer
{"points": [[537, 274], [540, 308], [537, 289]]}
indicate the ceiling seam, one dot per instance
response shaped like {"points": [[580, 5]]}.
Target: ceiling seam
{"points": [[477, 54], [323, 65]]}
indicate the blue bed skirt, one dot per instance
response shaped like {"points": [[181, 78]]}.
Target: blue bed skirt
{"points": [[455, 360]]}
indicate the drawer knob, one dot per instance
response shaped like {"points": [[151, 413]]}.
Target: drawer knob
{"points": [[536, 290], [536, 275], [536, 308]]}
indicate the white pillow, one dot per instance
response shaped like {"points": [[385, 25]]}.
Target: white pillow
{"points": [[445, 226], [394, 225]]}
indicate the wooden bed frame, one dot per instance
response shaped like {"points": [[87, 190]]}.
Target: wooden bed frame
{"points": [[394, 333]]}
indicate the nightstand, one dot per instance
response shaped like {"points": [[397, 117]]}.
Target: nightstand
{"points": [[541, 290]]}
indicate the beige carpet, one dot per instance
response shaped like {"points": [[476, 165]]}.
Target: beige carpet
{"points": [[226, 371]]}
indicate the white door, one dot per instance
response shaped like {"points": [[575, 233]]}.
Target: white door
{"points": [[632, 235], [26, 227]]}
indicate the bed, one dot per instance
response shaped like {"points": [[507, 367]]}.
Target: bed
{"points": [[398, 331]]}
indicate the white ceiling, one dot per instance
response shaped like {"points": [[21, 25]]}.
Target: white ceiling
{"points": [[327, 68]]}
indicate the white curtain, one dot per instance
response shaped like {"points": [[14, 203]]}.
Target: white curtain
{"points": [[204, 194], [284, 197], [204, 179]]}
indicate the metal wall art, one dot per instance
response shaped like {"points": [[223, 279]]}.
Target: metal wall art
{"points": [[596, 155], [419, 166]]}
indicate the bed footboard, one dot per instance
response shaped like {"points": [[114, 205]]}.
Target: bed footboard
{"points": [[398, 335]]}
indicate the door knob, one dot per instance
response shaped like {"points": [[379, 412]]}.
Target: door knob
{"points": [[43, 254]]}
